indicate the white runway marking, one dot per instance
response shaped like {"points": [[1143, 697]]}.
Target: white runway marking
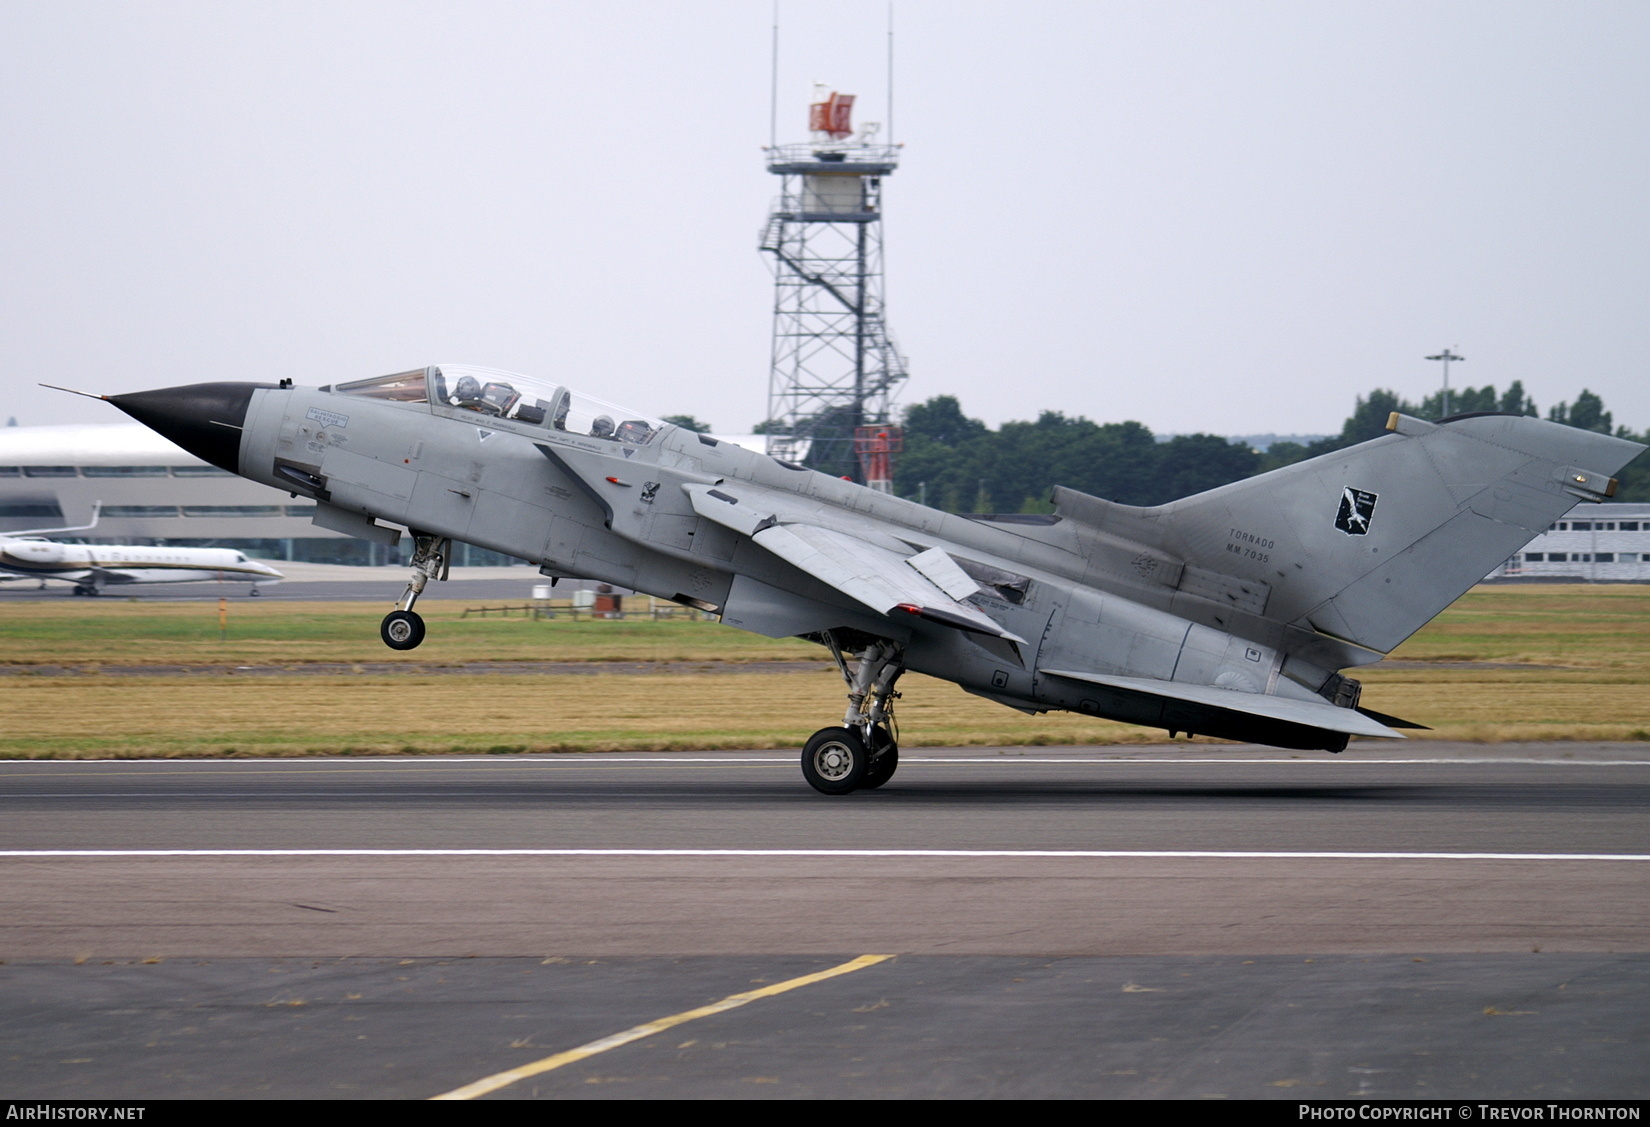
{"points": [[1142, 854], [1010, 759], [589, 760]]}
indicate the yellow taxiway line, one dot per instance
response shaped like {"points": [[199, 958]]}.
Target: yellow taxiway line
{"points": [[733, 1001]]}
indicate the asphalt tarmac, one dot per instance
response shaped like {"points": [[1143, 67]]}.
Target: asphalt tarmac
{"points": [[1433, 921]]}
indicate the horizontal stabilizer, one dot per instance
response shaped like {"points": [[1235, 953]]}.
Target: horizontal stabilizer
{"points": [[1310, 714], [1391, 721]]}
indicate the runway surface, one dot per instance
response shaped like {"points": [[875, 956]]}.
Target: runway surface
{"points": [[1439, 921]]}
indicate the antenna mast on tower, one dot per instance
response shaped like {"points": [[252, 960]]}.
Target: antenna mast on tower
{"points": [[835, 370]]}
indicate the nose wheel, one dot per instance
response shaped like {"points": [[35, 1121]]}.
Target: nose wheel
{"points": [[402, 629]]}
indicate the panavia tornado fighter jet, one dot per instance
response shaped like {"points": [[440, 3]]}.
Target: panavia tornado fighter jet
{"points": [[1232, 613]]}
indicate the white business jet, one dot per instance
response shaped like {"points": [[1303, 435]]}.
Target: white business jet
{"points": [[29, 555]]}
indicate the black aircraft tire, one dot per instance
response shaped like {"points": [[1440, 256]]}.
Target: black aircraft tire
{"points": [[402, 630], [884, 758], [834, 761], [882, 769]]}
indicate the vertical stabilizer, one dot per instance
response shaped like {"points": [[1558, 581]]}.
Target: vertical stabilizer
{"points": [[1369, 543]]}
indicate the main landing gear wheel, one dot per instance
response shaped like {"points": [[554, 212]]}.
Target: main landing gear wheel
{"points": [[402, 630], [835, 761], [885, 763]]}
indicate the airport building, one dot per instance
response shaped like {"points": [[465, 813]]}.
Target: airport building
{"points": [[1607, 543]]}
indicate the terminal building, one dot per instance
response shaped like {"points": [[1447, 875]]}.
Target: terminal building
{"points": [[1607, 543]]}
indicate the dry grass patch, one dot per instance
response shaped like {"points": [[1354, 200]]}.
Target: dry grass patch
{"points": [[1502, 705], [103, 717]]}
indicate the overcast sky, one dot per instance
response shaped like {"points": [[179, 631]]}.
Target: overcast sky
{"points": [[1227, 217]]}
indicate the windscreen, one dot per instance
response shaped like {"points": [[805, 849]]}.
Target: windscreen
{"points": [[403, 387]]}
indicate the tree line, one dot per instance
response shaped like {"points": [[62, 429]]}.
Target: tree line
{"points": [[959, 464]]}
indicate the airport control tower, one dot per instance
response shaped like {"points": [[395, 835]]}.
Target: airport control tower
{"points": [[835, 370]]}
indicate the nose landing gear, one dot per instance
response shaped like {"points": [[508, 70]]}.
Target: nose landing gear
{"points": [[402, 628], [863, 753]]}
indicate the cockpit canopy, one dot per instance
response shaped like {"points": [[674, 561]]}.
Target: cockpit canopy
{"points": [[452, 389]]}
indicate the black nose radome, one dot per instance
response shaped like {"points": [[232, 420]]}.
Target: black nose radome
{"points": [[203, 418]]}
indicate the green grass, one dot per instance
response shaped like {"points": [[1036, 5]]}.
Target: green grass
{"points": [[110, 632], [1570, 666], [1606, 626]]}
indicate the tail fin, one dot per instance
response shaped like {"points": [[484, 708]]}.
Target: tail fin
{"points": [[1369, 543], [97, 512]]}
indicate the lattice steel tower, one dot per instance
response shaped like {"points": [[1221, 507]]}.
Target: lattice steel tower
{"points": [[835, 370]]}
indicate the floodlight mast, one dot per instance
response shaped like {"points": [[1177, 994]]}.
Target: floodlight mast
{"points": [[1446, 356], [834, 368]]}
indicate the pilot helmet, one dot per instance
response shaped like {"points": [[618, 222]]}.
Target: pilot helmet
{"points": [[467, 390]]}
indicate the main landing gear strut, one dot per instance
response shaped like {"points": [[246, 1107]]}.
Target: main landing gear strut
{"points": [[862, 754], [402, 629]]}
